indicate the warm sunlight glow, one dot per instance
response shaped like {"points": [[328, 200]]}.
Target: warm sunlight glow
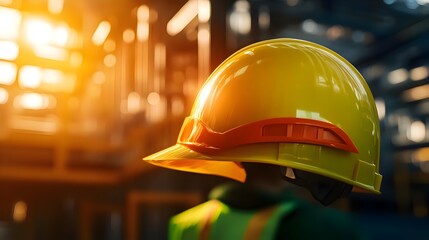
{"points": [[74, 39], [204, 10], [76, 59], [20, 211], [12, 17], [133, 103], [55, 6], [183, 17], [57, 81], [7, 72], [101, 33], [159, 65], [109, 60], [99, 77], [109, 45], [143, 14], [128, 36], [30, 76], [38, 31], [53, 53], [52, 76], [47, 125], [142, 31], [8, 50], [4, 96], [46, 79], [153, 98], [34, 101], [177, 106], [6, 2], [61, 35]]}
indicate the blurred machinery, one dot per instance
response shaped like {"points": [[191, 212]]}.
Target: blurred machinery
{"points": [[77, 90], [83, 96], [41, 89]]}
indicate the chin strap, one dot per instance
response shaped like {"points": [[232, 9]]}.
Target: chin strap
{"points": [[325, 190]]}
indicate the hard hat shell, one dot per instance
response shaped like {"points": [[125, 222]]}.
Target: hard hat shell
{"points": [[284, 78]]}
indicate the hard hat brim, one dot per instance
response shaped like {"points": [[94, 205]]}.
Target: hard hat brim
{"points": [[179, 157], [228, 164]]}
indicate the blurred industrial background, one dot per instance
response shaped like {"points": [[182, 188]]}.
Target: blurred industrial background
{"points": [[89, 87]]}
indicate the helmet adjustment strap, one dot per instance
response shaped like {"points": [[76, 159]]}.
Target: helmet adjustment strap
{"points": [[323, 189]]}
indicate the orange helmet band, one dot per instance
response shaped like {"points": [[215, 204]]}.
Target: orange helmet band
{"points": [[198, 137]]}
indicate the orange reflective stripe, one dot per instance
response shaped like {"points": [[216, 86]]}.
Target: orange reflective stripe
{"points": [[198, 137], [208, 220], [257, 224]]}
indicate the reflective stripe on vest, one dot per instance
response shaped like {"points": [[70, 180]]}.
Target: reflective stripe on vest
{"points": [[215, 220]]}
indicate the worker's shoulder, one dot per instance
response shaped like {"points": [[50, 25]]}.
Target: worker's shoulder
{"points": [[194, 214]]}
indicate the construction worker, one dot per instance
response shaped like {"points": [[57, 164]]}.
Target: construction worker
{"points": [[278, 106]]}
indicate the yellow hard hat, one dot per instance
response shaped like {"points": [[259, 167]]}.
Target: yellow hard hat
{"points": [[285, 102]]}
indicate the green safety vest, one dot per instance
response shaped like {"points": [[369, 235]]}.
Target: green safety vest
{"points": [[215, 220]]}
